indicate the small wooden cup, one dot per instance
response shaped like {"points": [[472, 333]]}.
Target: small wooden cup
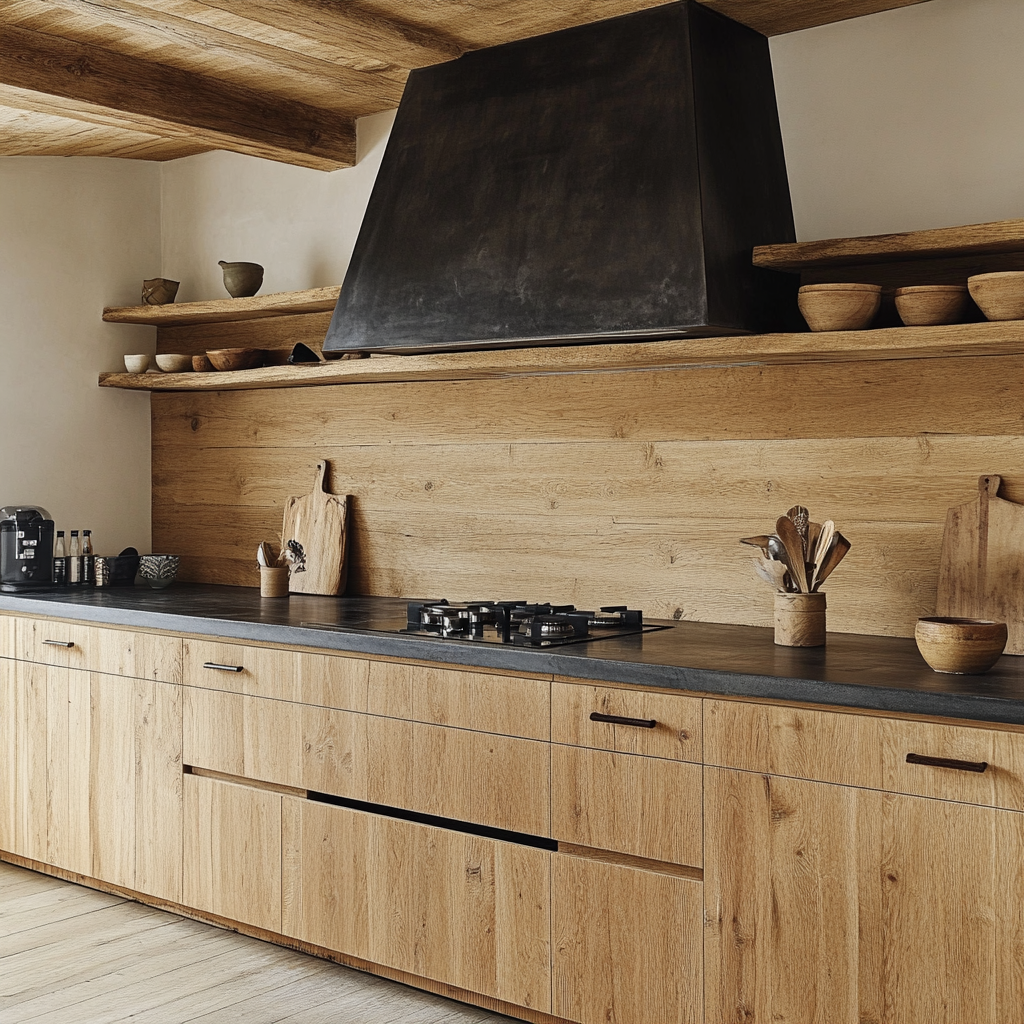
{"points": [[800, 620], [273, 581]]}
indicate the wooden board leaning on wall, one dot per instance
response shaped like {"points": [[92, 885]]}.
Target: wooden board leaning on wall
{"points": [[628, 486]]}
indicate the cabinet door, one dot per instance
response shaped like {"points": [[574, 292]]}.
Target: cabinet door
{"points": [[232, 851], [68, 829], [23, 723], [461, 909], [838, 905], [627, 944]]}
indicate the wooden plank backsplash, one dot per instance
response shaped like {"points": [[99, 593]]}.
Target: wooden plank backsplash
{"points": [[590, 488]]}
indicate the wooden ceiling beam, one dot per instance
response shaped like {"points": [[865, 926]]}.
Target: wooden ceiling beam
{"points": [[235, 44], [352, 27], [166, 101]]}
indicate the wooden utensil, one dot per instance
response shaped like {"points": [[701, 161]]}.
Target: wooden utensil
{"points": [[981, 567], [761, 541], [787, 533], [801, 520], [314, 533], [772, 572], [822, 548], [840, 546]]}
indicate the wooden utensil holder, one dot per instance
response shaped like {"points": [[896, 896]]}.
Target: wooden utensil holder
{"points": [[273, 581], [800, 620]]}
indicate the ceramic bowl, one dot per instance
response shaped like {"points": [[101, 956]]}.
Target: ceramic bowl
{"points": [[839, 307], [138, 363], [999, 296], [159, 570], [159, 291], [174, 362], [242, 279], [960, 646], [201, 363], [235, 358], [928, 305]]}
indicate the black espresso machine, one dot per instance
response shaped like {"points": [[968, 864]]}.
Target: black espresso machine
{"points": [[26, 548]]}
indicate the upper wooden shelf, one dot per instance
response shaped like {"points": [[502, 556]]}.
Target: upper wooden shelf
{"points": [[1002, 338], [216, 311], [1000, 237]]}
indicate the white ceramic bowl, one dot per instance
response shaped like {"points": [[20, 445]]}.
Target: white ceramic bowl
{"points": [[174, 362], [136, 363]]}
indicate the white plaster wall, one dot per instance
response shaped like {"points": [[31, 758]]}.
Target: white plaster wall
{"points": [[75, 235], [907, 119], [300, 224]]}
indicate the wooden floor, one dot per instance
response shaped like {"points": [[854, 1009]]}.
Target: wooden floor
{"points": [[70, 955]]}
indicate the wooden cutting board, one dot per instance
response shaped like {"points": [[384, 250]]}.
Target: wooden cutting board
{"points": [[981, 569], [314, 531]]}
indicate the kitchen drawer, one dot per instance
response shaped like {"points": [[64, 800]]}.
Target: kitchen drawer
{"points": [[627, 944], [117, 652], [645, 806], [509, 705], [324, 679], [676, 732], [460, 909], [869, 751], [501, 781]]}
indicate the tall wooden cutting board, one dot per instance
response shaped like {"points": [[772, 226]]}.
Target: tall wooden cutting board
{"points": [[314, 530], [981, 570]]}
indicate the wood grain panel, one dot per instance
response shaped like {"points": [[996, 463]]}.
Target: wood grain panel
{"points": [[626, 944], [448, 906], [643, 806], [68, 776], [896, 908], [628, 486], [871, 399], [677, 734], [9, 702], [232, 851], [30, 752]]}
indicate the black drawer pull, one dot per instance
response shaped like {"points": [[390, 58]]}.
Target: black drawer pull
{"points": [[948, 762], [640, 723], [60, 643], [223, 668]]}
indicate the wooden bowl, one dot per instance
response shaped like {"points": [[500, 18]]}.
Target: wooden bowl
{"points": [[999, 296], [201, 363], [928, 305], [159, 291], [839, 307], [174, 362], [235, 358], [960, 646]]}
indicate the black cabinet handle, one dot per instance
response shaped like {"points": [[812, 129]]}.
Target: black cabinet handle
{"points": [[947, 762], [223, 668], [640, 723], [59, 643]]}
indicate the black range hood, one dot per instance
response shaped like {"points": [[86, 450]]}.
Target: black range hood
{"points": [[602, 183]]}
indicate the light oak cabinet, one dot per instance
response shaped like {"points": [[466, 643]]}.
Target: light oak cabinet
{"points": [[462, 909], [844, 905], [626, 944]]}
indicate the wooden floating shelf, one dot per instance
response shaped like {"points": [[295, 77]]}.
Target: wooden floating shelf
{"points": [[1002, 338], [217, 311], [998, 238]]}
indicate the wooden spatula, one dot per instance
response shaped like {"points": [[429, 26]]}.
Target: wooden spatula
{"points": [[793, 542], [839, 548]]}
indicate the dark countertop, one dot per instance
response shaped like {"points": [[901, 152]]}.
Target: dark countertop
{"points": [[880, 673]]}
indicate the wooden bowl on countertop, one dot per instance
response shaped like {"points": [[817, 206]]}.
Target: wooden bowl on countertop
{"points": [[226, 359], [999, 296], [839, 306], [960, 646], [929, 305]]}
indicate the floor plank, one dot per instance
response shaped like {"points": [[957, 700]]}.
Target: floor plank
{"points": [[70, 955]]}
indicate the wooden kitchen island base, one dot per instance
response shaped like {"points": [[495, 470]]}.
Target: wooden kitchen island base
{"points": [[678, 859]]}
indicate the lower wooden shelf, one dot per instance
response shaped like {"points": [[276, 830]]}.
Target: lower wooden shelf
{"points": [[977, 339]]}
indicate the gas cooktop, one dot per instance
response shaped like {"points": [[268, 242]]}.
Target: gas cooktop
{"points": [[521, 623]]}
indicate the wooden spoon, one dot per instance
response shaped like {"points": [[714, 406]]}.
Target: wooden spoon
{"points": [[787, 531], [824, 545], [801, 520], [839, 548]]}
